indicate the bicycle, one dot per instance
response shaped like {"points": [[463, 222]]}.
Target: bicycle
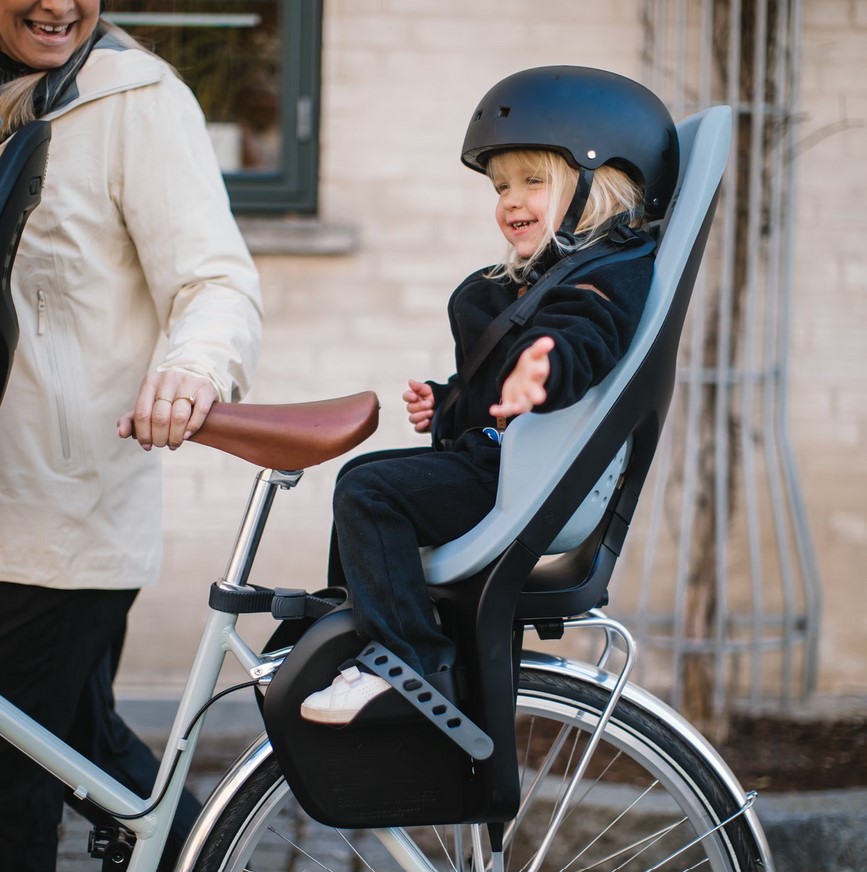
{"points": [[580, 770], [556, 698]]}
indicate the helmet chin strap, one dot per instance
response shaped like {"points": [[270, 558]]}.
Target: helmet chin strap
{"points": [[565, 236], [576, 207]]}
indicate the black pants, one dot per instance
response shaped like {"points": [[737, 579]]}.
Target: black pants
{"points": [[59, 652], [386, 505]]}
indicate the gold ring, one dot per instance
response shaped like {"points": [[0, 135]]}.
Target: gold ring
{"points": [[166, 399], [191, 399]]}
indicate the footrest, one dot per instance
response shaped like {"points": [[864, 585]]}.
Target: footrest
{"points": [[421, 694]]}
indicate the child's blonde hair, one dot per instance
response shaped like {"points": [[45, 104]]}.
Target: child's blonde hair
{"points": [[612, 192]]}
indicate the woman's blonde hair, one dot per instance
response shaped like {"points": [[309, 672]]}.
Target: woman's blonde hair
{"points": [[16, 102], [613, 192]]}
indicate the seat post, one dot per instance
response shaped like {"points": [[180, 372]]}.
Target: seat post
{"points": [[253, 523]]}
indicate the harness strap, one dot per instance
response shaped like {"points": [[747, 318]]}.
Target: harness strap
{"points": [[621, 244]]}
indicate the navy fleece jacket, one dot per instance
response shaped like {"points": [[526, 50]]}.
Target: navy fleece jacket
{"points": [[591, 333]]}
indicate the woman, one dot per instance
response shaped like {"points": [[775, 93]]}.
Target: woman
{"points": [[133, 240]]}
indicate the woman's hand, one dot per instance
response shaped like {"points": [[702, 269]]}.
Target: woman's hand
{"points": [[419, 401], [170, 407], [524, 387]]}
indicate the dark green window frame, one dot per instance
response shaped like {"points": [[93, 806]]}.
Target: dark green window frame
{"points": [[292, 186]]}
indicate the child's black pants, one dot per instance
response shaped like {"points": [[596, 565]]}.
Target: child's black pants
{"points": [[386, 505]]}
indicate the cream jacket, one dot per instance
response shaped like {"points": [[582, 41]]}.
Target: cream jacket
{"points": [[133, 240]]}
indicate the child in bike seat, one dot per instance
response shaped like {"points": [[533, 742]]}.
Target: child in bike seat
{"points": [[580, 161]]}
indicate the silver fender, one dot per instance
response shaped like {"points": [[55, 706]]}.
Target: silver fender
{"points": [[256, 754]]}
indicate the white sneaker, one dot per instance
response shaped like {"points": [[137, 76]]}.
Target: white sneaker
{"points": [[344, 698]]}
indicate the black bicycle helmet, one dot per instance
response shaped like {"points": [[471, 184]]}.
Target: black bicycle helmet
{"points": [[592, 118]]}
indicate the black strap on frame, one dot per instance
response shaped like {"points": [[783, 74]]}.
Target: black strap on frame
{"points": [[283, 603]]}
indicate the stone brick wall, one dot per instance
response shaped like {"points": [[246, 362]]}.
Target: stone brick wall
{"points": [[828, 398], [400, 81]]}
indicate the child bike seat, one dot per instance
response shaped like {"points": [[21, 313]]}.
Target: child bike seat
{"points": [[567, 474], [569, 481]]}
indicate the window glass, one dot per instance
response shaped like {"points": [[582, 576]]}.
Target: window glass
{"points": [[257, 93]]}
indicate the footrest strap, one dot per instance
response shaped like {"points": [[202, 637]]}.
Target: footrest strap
{"points": [[440, 711]]}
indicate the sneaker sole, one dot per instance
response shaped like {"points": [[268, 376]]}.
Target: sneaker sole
{"points": [[326, 716]]}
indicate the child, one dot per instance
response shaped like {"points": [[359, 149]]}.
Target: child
{"points": [[577, 157]]}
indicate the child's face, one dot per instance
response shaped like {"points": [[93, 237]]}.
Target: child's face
{"points": [[43, 34], [524, 193]]}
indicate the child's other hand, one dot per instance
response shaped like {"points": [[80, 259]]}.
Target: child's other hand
{"points": [[524, 387], [419, 401]]}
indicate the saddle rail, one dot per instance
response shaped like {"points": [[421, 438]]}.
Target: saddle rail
{"points": [[290, 436]]}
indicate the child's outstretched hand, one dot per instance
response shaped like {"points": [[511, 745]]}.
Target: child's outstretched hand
{"points": [[419, 401], [524, 387]]}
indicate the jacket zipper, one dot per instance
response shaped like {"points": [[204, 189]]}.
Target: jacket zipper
{"points": [[43, 325]]}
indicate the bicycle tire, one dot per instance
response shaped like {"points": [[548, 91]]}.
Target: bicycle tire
{"points": [[651, 791]]}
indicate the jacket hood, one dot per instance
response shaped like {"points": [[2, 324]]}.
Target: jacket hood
{"points": [[112, 66]]}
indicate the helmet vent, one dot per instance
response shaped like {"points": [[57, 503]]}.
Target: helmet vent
{"points": [[503, 111]]}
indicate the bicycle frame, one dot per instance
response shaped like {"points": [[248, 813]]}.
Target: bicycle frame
{"points": [[151, 825], [88, 781]]}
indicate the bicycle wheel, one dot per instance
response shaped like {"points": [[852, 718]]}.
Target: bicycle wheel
{"points": [[651, 799]]}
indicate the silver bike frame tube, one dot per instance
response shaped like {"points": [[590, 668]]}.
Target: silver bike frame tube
{"points": [[89, 781], [78, 773]]}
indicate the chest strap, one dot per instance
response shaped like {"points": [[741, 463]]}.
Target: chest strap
{"points": [[621, 244]]}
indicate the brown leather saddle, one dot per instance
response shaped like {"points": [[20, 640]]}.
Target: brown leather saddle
{"points": [[293, 435]]}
